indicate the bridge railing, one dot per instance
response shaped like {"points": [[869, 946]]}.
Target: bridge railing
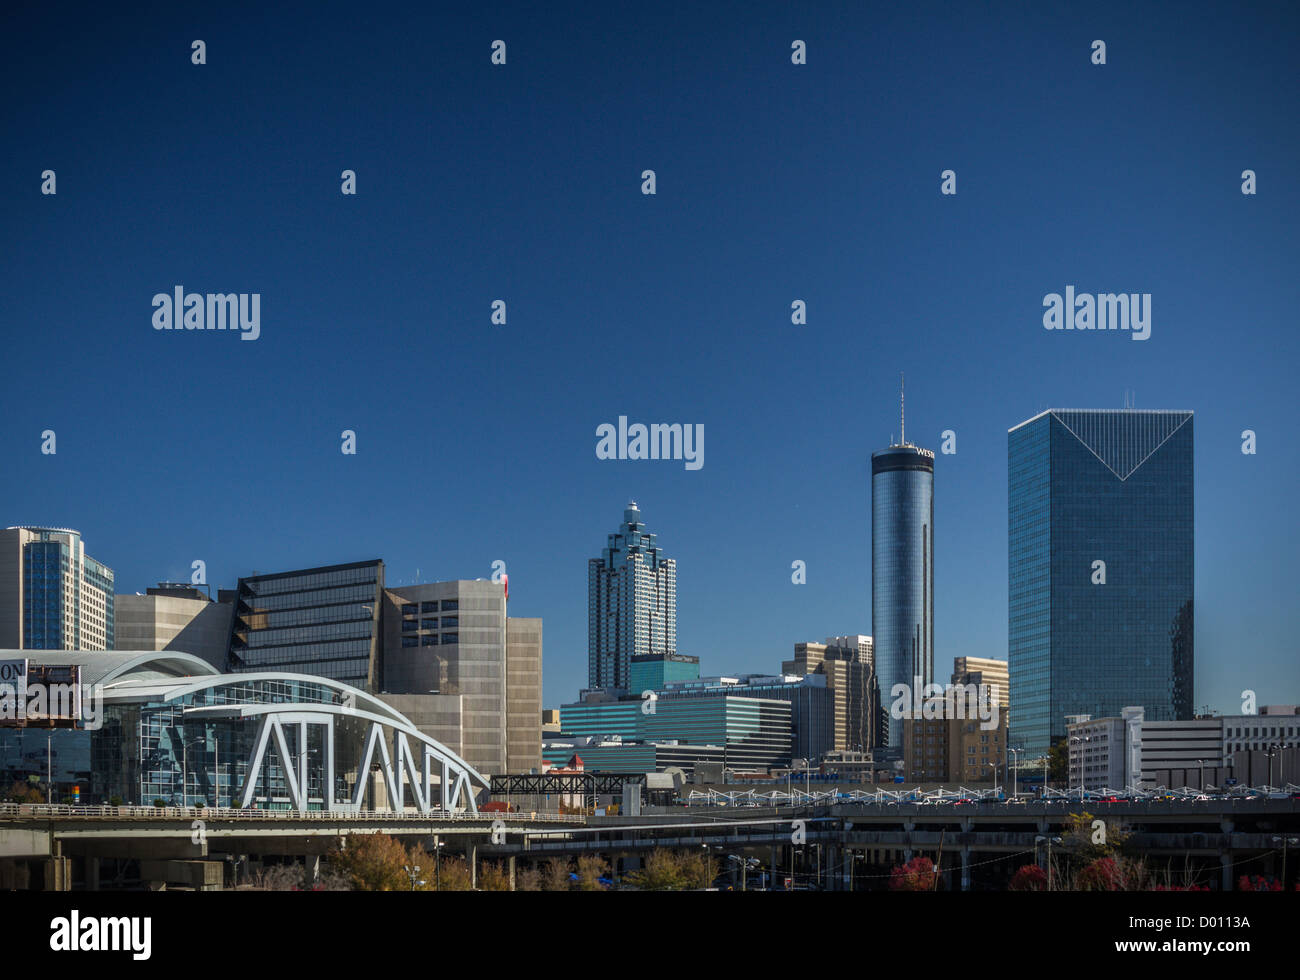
{"points": [[12, 810]]}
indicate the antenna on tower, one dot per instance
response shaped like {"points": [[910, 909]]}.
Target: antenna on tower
{"points": [[902, 414]]}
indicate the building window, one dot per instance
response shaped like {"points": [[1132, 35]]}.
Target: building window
{"points": [[450, 638]]}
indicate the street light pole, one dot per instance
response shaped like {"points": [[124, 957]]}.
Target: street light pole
{"points": [[1284, 841], [1082, 740], [49, 770]]}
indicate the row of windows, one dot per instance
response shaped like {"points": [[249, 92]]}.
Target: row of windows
{"points": [[429, 640], [411, 625], [414, 608], [315, 580]]}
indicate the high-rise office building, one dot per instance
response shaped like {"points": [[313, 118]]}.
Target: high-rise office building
{"points": [[1101, 570], [467, 674], [902, 569], [523, 694], [53, 596], [450, 639], [631, 603], [322, 621]]}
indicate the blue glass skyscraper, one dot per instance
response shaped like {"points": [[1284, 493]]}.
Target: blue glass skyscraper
{"points": [[1101, 568], [631, 603], [902, 571]]}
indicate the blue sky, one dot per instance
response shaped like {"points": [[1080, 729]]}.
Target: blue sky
{"points": [[775, 182]]}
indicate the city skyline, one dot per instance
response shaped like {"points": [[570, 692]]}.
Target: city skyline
{"points": [[749, 665], [777, 183]]}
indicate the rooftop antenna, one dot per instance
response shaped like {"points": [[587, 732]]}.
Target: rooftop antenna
{"points": [[902, 414]]}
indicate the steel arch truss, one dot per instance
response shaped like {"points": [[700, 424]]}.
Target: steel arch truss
{"points": [[456, 778]]}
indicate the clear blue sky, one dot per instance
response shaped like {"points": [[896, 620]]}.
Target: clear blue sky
{"points": [[775, 182]]}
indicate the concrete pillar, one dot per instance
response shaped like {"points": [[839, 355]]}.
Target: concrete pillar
{"points": [[92, 874], [313, 868], [1225, 864], [472, 854], [58, 877], [510, 862], [965, 869]]}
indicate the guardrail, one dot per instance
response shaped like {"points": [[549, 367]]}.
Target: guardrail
{"points": [[883, 797], [237, 813]]}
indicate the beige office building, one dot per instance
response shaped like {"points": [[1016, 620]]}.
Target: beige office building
{"points": [[523, 694], [174, 617], [964, 737], [846, 662], [453, 658], [983, 670]]}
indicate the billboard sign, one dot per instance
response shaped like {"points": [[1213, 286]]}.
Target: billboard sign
{"points": [[13, 691], [41, 694]]}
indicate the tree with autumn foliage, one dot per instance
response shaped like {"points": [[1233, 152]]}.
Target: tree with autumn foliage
{"points": [[917, 875], [1029, 878], [1258, 883], [667, 870], [1111, 874], [377, 863], [24, 793], [591, 868]]}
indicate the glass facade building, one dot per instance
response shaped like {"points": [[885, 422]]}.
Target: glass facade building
{"points": [[167, 726], [1100, 568], [631, 604], [653, 670], [53, 596], [150, 750], [755, 732], [322, 621], [902, 571]]}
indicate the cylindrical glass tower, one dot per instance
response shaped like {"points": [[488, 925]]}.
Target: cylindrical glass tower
{"points": [[902, 572]]}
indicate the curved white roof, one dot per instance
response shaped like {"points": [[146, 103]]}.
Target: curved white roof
{"points": [[107, 667]]}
